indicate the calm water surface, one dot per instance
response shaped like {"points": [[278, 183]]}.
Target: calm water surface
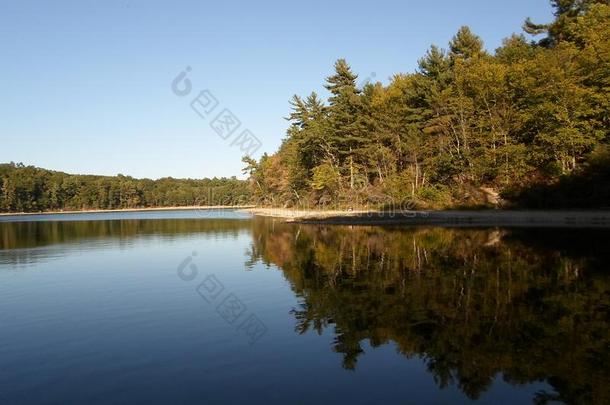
{"points": [[216, 306]]}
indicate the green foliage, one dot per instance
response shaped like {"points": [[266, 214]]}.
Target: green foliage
{"points": [[30, 189], [326, 178], [435, 195], [464, 122], [466, 45], [563, 28], [588, 188]]}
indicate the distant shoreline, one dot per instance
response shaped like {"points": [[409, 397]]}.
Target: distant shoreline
{"points": [[208, 207], [483, 218]]}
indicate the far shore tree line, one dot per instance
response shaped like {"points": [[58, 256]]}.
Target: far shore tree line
{"points": [[31, 189], [525, 126]]}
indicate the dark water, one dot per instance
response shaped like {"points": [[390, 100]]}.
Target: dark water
{"points": [[216, 307]]}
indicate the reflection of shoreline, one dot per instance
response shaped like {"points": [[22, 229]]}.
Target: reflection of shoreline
{"points": [[27, 234], [187, 208], [525, 304], [597, 219]]}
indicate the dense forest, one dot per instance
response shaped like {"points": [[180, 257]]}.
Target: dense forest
{"points": [[527, 125], [30, 189]]}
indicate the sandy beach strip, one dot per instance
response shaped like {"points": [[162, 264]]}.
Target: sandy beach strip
{"points": [[484, 218]]}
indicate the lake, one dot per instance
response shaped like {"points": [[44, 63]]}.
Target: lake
{"points": [[218, 306]]}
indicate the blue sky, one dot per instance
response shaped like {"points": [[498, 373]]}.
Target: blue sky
{"points": [[86, 85]]}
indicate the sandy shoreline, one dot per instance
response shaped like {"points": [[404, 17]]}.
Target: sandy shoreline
{"points": [[593, 219], [582, 218], [209, 207]]}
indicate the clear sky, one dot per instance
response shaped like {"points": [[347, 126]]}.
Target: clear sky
{"points": [[86, 85]]}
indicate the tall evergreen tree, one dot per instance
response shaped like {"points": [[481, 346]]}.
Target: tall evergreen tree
{"points": [[466, 45], [347, 138], [566, 12]]}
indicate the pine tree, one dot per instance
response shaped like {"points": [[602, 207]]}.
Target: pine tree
{"points": [[466, 45], [435, 64], [347, 137], [566, 12]]}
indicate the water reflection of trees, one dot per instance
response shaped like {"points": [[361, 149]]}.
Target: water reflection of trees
{"points": [[532, 305], [31, 242], [17, 235]]}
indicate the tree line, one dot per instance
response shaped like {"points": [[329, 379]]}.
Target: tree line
{"points": [[31, 189], [468, 128]]}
